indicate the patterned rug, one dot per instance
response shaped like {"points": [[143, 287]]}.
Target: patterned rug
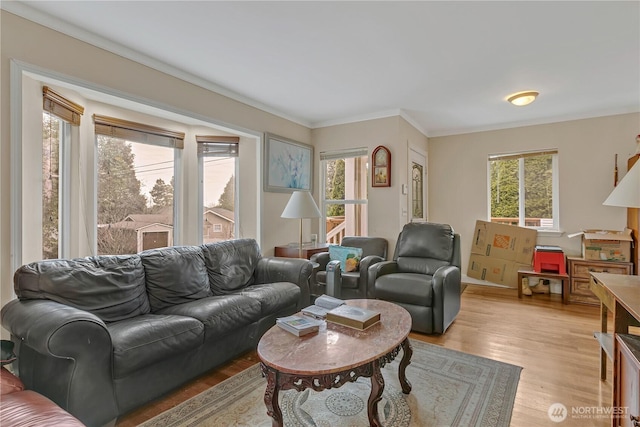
{"points": [[450, 388]]}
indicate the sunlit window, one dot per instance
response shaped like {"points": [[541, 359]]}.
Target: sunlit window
{"points": [[344, 194], [524, 189]]}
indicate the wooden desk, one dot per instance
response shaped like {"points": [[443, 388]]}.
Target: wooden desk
{"points": [[620, 294], [291, 251], [564, 278]]}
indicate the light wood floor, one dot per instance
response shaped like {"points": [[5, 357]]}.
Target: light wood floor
{"points": [[551, 341]]}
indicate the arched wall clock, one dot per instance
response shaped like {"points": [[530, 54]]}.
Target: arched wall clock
{"points": [[381, 170]]}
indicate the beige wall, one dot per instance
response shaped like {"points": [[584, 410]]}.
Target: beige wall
{"points": [[457, 165], [586, 149], [44, 49], [387, 205]]}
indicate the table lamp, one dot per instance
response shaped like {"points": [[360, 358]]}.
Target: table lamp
{"points": [[301, 205], [627, 192]]}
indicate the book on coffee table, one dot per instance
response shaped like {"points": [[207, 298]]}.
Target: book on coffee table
{"points": [[354, 317], [322, 305], [298, 325]]}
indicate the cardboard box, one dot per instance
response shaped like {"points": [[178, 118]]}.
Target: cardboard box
{"points": [[505, 242], [606, 245], [495, 270]]}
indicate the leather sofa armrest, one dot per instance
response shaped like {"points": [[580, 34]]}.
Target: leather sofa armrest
{"points": [[294, 270], [446, 293], [76, 344]]}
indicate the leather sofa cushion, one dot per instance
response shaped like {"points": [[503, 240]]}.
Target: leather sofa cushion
{"points": [[110, 286], [147, 339], [407, 288], [231, 264], [220, 314], [29, 408], [273, 297], [175, 275]]}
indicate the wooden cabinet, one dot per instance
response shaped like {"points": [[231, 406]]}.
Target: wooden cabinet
{"points": [[291, 251], [627, 393], [579, 277]]}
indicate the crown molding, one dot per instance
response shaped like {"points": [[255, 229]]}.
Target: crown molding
{"points": [[26, 12]]}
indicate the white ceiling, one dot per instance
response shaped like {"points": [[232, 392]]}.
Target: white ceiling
{"points": [[445, 66]]}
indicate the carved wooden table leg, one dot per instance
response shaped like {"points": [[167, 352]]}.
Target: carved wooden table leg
{"points": [[377, 387], [407, 352], [271, 396]]}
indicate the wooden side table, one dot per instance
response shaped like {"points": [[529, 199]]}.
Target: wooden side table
{"points": [[291, 251], [562, 277]]}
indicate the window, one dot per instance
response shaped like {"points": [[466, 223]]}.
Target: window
{"points": [[524, 189], [218, 161], [57, 118], [344, 194], [418, 188], [135, 167]]}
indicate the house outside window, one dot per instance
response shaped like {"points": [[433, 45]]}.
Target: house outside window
{"points": [[344, 194], [218, 163], [135, 186], [524, 189]]}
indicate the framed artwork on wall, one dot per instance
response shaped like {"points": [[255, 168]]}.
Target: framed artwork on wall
{"points": [[381, 170], [288, 165]]}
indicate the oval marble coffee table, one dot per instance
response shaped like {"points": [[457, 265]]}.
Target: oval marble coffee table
{"points": [[336, 355]]}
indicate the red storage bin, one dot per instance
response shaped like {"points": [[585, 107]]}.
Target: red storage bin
{"points": [[549, 261]]}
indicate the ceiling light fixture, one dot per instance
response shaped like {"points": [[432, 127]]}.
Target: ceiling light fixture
{"points": [[521, 99]]}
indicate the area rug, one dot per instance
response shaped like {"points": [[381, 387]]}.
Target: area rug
{"points": [[450, 388]]}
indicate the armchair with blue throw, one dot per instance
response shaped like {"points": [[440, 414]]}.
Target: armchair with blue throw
{"points": [[423, 277], [351, 280]]}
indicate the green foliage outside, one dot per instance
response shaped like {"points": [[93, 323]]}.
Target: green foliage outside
{"points": [[161, 193], [227, 198], [537, 184], [335, 186], [118, 195], [50, 185]]}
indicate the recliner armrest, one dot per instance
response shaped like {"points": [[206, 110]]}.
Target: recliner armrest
{"points": [[446, 294], [377, 270], [321, 258]]}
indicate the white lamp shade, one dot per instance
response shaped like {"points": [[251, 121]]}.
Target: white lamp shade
{"points": [[627, 192], [301, 205]]}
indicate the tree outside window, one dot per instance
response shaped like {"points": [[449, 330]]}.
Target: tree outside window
{"points": [[522, 189]]}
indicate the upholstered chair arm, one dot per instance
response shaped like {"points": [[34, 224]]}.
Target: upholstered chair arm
{"points": [[294, 270], [446, 294], [321, 258], [74, 343], [377, 270], [363, 280]]}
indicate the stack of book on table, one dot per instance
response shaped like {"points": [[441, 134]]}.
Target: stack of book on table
{"points": [[321, 306], [298, 325], [354, 317]]}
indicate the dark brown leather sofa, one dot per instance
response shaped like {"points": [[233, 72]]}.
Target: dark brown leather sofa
{"points": [[24, 408]]}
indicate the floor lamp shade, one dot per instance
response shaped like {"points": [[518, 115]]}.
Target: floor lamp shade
{"points": [[301, 205], [627, 192]]}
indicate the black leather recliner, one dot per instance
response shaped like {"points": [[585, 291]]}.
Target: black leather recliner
{"points": [[423, 277], [352, 284]]}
